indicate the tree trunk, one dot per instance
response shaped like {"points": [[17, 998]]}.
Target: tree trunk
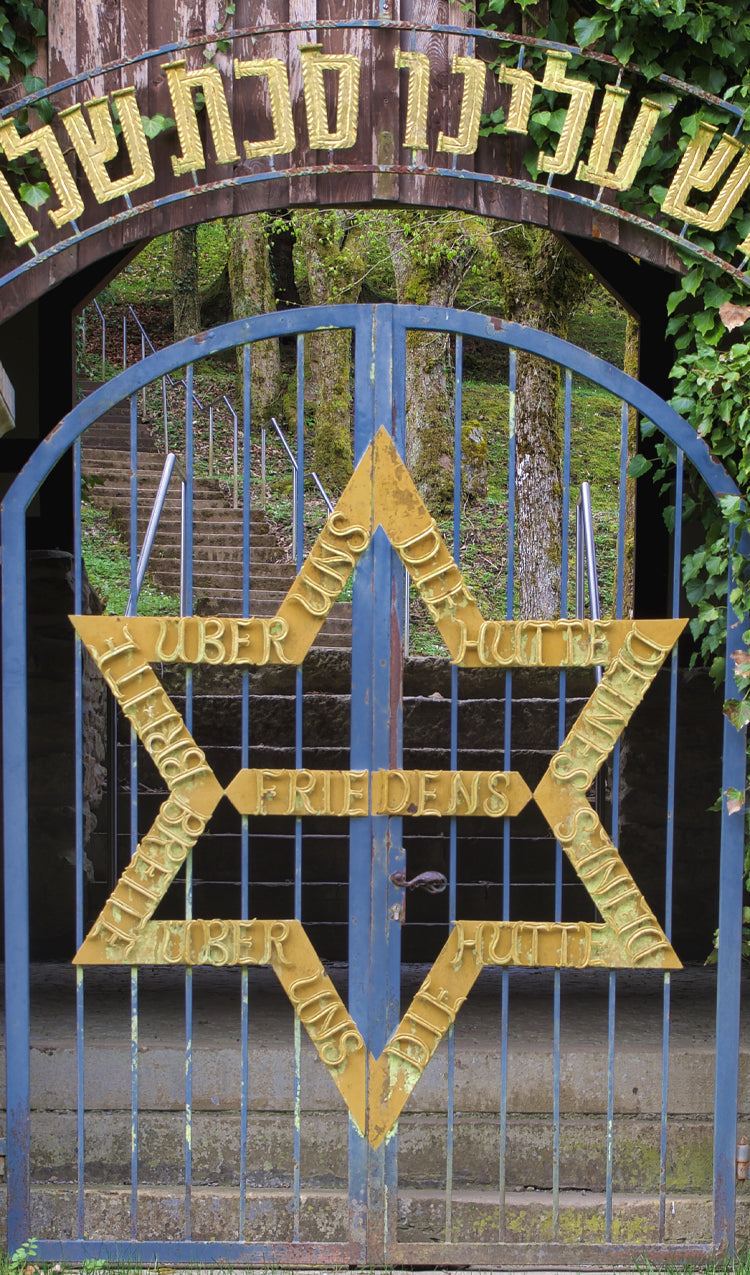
{"points": [[251, 285], [431, 257], [542, 283], [329, 271], [186, 309], [632, 367]]}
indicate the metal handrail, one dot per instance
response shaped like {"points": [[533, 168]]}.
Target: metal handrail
{"points": [[586, 572], [169, 382], [151, 530], [295, 467]]}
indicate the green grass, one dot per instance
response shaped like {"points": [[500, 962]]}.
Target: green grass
{"points": [[108, 569], [147, 281]]}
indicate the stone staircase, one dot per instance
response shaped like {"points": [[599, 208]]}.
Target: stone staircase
{"points": [[217, 544], [526, 1214]]}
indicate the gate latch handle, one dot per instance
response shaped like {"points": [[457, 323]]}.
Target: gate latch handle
{"points": [[432, 882]]}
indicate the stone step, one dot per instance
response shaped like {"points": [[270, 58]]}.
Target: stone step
{"points": [[427, 721], [421, 1219], [221, 550], [119, 495], [324, 1146], [528, 1093], [115, 460], [225, 521]]}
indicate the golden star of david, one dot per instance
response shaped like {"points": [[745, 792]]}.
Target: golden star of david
{"points": [[380, 493]]}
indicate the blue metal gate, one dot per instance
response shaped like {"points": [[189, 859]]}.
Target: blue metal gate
{"points": [[370, 1213]]}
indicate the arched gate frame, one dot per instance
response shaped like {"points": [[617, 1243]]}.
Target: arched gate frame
{"points": [[370, 1226]]}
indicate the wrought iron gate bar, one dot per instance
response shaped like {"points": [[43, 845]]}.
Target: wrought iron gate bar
{"points": [[79, 837], [376, 847], [244, 824]]}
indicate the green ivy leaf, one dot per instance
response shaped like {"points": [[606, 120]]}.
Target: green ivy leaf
{"points": [[154, 125], [588, 30], [35, 195], [638, 466], [623, 50]]}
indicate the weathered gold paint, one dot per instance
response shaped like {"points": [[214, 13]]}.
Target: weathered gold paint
{"points": [[474, 72], [631, 936], [181, 84], [700, 171], [597, 170], [14, 216], [96, 143], [522, 92], [380, 493], [314, 63], [43, 140], [418, 66], [283, 140], [348, 794], [581, 94]]}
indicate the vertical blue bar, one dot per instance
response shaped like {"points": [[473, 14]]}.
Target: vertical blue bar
{"points": [[453, 843], [562, 702], [15, 778], [189, 468], [612, 982], [610, 1140], [299, 478], [730, 945], [244, 763], [669, 846], [622, 510], [375, 843], [388, 631], [134, 1026], [361, 739], [507, 723], [79, 856]]}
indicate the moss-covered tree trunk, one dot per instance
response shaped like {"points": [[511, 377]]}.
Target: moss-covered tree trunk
{"points": [[632, 367], [328, 268], [431, 256], [251, 284], [542, 283], [186, 310]]}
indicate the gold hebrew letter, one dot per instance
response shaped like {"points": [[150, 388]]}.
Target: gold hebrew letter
{"points": [[14, 216], [418, 66], [522, 90], [96, 144], [574, 123], [181, 83], [597, 171], [474, 72], [44, 140], [314, 63], [696, 172], [283, 141]]}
